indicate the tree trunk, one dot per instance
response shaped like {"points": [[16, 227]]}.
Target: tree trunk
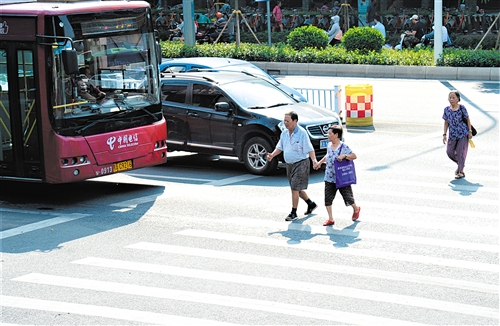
{"points": [[470, 5], [305, 5], [384, 4], [427, 4]]}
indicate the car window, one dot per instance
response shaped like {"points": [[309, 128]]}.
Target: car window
{"points": [[257, 93], [205, 96], [174, 93], [174, 69]]}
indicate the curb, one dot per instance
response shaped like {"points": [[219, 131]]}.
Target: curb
{"points": [[374, 71]]}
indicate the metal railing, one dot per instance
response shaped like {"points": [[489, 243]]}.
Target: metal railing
{"points": [[327, 98]]}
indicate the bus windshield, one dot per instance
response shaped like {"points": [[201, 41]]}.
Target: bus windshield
{"points": [[117, 72]]}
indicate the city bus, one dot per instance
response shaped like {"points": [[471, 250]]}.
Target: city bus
{"points": [[79, 95]]}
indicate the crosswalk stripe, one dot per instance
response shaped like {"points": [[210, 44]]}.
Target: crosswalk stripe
{"points": [[471, 176], [443, 186], [378, 254], [361, 234], [315, 266], [437, 213], [475, 167], [102, 311], [40, 225], [212, 299], [427, 197], [293, 285]]}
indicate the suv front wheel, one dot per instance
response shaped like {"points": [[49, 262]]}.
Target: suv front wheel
{"points": [[255, 156]]}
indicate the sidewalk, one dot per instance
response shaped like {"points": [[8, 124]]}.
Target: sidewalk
{"points": [[374, 71]]}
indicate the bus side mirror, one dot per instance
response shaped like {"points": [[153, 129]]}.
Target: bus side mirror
{"points": [[70, 61], [158, 53]]}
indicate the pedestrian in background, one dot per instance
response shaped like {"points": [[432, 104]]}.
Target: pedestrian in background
{"points": [[379, 26], [370, 13], [459, 132], [336, 150], [334, 33], [278, 19], [297, 149]]}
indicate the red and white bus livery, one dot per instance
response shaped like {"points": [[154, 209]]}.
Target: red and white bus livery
{"points": [[79, 95]]}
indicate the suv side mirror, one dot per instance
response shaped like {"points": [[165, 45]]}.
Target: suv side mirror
{"points": [[223, 107]]}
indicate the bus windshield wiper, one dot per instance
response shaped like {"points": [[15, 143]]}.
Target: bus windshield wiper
{"points": [[93, 123]]}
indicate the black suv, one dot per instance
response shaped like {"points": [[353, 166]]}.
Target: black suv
{"points": [[235, 114]]}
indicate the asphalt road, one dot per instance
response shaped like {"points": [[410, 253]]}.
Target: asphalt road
{"points": [[199, 241]]}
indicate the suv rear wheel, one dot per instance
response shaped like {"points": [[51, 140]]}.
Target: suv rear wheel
{"points": [[255, 156]]}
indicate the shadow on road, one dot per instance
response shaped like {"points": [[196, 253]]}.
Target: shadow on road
{"points": [[28, 212]]}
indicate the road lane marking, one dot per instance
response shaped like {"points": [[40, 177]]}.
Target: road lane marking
{"points": [[442, 186], [361, 234], [40, 225], [212, 299], [315, 266], [285, 284], [142, 317], [232, 180], [427, 197], [437, 214], [169, 192], [377, 254]]}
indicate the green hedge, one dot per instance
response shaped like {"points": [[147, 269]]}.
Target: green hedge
{"points": [[282, 52]]}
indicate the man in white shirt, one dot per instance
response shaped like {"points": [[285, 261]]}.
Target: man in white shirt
{"points": [[379, 26], [444, 32]]}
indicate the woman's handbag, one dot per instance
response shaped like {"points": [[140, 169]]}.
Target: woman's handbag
{"points": [[464, 119], [345, 173]]}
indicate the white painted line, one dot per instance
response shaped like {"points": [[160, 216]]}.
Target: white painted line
{"points": [[383, 146], [232, 180], [136, 201], [361, 234], [213, 299], [31, 212], [142, 317], [426, 197], [472, 176], [395, 210], [294, 286], [166, 177], [315, 266], [473, 167], [377, 254], [436, 212], [40, 225], [443, 186]]}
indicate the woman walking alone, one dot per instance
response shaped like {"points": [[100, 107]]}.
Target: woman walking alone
{"points": [[459, 132], [277, 17]]}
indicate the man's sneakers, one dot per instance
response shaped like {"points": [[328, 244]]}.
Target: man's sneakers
{"points": [[291, 217], [311, 208]]}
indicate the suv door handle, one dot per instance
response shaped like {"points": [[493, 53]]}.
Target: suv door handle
{"points": [[192, 114]]}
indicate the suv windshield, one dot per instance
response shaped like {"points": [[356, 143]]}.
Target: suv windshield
{"points": [[117, 73], [243, 92]]}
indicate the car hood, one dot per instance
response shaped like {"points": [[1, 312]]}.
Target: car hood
{"points": [[309, 114]]}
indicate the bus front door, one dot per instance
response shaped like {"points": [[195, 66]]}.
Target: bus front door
{"points": [[20, 153]]}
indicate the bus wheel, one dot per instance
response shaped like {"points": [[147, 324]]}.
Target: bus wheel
{"points": [[255, 156]]}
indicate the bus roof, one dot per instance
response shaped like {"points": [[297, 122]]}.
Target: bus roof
{"points": [[54, 7]]}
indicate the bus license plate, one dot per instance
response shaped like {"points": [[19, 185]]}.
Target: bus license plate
{"points": [[122, 166], [323, 143]]}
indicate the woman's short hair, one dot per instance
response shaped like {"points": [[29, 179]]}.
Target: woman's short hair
{"points": [[337, 129], [457, 93]]}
